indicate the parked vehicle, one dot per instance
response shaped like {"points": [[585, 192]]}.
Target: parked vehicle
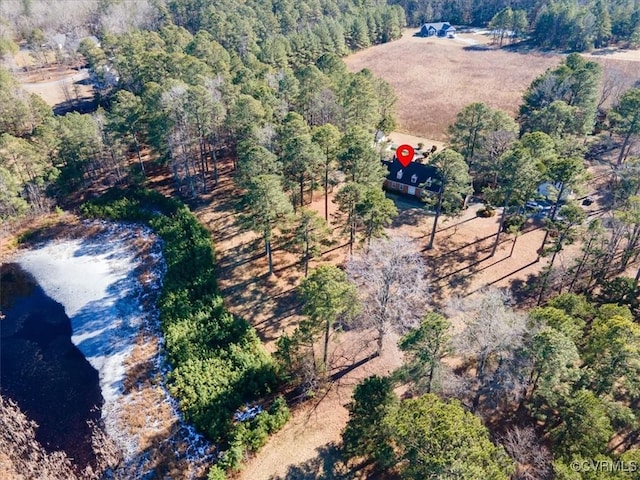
{"points": [[538, 206]]}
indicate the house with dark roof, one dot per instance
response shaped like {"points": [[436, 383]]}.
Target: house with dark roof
{"points": [[416, 179], [440, 29]]}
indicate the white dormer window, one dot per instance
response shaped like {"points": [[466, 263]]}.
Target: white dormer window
{"points": [[428, 182], [399, 174], [414, 178]]}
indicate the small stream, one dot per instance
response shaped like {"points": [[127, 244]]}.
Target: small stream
{"points": [[43, 371]]}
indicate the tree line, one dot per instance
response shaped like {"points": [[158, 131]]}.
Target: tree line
{"points": [[560, 24], [190, 97], [189, 100]]}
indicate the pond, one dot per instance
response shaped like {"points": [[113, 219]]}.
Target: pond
{"points": [[43, 371]]}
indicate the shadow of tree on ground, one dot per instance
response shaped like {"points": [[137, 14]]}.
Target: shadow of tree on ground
{"points": [[329, 464]]}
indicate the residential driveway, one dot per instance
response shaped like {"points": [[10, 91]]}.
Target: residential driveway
{"points": [[60, 89]]}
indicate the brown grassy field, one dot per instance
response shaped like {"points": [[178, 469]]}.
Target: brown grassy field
{"points": [[435, 77]]}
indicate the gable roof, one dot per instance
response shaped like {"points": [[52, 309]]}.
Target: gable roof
{"points": [[437, 26], [421, 171]]}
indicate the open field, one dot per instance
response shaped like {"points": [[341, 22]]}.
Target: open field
{"points": [[60, 86], [616, 54], [435, 77], [398, 138]]}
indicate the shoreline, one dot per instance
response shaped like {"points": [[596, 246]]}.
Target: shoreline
{"points": [[93, 281], [108, 277]]}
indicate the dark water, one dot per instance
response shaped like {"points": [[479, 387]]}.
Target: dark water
{"points": [[42, 371]]}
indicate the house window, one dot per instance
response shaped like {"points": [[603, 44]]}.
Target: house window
{"points": [[414, 178], [428, 182], [399, 174]]}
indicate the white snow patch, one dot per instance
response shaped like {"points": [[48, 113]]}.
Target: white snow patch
{"points": [[92, 280]]}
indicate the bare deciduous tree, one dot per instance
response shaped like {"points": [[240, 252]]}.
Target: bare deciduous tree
{"points": [[181, 141], [390, 276], [493, 332], [533, 461], [613, 84], [127, 15], [23, 456]]}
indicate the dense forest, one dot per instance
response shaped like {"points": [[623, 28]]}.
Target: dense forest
{"points": [[183, 85], [189, 94], [560, 24]]}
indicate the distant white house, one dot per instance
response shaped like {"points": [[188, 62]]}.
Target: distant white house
{"points": [[440, 29], [549, 191]]}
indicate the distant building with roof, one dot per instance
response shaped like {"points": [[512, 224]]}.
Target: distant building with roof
{"points": [[439, 29]]}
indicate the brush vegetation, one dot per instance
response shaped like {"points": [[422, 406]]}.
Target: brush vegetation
{"points": [[217, 361]]}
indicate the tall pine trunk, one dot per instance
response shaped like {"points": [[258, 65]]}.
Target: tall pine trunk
{"points": [[306, 255], [214, 157], [623, 149], [581, 264], [325, 354], [435, 219], [545, 282], [630, 249], [202, 147], [352, 232], [301, 181], [326, 192], [501, 225], [137, 144], [552, 217], [267, 249]]}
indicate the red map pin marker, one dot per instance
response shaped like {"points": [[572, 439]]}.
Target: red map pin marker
{"points": [[404, 154]]}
